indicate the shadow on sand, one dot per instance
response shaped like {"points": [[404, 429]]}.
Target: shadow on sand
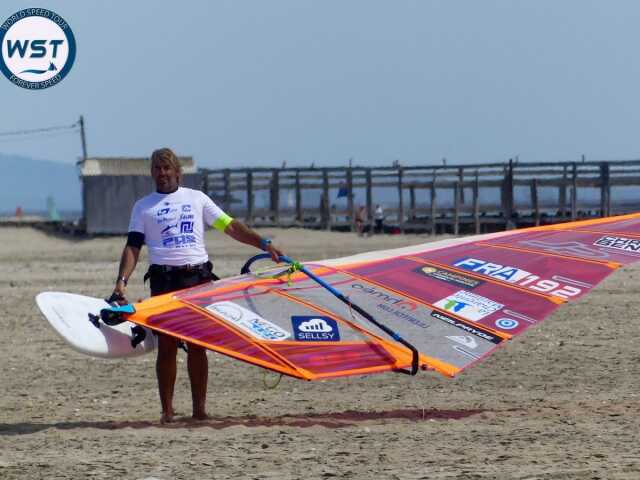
{"points": [[329, 420]]}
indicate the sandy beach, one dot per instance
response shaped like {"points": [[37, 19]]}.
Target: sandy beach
{"points": [[560, 402]]}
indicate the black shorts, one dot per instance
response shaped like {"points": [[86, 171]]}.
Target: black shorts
{"points": [[169, 281]]}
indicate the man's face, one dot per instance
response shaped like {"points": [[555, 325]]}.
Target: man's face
{"points": [[165, 176]]}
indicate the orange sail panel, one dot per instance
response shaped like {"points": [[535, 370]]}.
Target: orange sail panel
{"points": [[233, 324]]}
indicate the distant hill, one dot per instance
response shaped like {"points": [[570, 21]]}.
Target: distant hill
{"points": [[28, 183]]}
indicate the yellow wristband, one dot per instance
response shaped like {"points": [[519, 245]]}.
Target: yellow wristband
{"points": [[222, 222]]}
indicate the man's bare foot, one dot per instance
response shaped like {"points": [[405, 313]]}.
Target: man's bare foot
{"points": [[200, 416], [166, 417]]}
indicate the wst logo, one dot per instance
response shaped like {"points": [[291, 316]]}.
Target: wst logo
{"points": [[37, 48]]}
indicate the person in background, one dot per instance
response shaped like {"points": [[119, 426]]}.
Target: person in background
{"points": [[171, 221], [361, 215], [378, 216]]}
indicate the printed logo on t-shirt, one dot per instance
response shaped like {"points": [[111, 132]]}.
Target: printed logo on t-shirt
{"points": [[177, 231], [186, 219]]}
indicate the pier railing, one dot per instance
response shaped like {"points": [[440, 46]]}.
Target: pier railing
{"points": [[470, 198]]}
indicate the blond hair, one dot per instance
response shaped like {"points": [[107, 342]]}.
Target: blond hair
{"points": [[166, 154]]}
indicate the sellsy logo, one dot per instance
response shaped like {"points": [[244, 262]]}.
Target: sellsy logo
{"points": [[38, 48]]}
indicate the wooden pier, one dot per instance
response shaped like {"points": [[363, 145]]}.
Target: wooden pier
{"points": [[455, 199]]}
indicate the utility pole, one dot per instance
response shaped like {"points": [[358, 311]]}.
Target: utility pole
{"points": [[83, 221], [83, 138]]}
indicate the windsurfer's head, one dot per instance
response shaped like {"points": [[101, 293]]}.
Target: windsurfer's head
{"points": [[166, 170]]}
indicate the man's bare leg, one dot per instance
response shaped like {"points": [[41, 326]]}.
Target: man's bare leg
{"points": [[166, 373], [198, 367]]}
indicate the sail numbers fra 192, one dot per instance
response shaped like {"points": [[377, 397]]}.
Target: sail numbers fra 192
{"points": [[518, 277]]}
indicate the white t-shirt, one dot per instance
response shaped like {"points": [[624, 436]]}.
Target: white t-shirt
{"points": [[173, 225]]}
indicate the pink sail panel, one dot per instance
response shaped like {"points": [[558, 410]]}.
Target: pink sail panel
{"points": [[592, 246], [564, 277], [324, 360], [468, 297], [261, 313], [627, 225], [202, 328]]}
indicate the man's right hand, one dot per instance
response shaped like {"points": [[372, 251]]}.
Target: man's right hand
{"points": [[118, 294]]}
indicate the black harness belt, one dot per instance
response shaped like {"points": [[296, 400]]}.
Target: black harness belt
{"points": [[171, 269]]}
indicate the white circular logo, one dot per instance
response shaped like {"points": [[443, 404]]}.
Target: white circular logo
{"points": [[38, 48], [507, 323]]}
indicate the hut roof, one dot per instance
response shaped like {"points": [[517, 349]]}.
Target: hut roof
{"points": [[121, 166]]}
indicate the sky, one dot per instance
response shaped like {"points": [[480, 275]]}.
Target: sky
{"points": [[255, 83]]}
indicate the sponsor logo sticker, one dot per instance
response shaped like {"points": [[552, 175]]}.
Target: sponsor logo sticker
{"points": [[248, 321], [507, 323], [311, 328], [453, 278], [401, 308], [385, 296], [467, 328], [468, 305], [619, 243], [465, 340]]}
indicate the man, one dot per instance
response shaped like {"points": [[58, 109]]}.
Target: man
{"points": [[171, 222], [361, 214], [379, 218]]}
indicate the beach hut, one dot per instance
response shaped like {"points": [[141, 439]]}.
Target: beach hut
{"points": [[111, 185]]}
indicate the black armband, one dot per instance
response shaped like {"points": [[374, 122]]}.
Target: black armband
{"points": [[135, 239]]}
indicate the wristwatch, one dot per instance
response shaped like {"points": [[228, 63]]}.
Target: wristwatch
{"points": [[123, 280], [264, 243]]}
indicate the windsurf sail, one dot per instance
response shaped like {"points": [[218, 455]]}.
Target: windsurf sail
{"points": [[455, 301]]}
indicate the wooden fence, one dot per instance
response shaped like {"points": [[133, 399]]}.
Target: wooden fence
{"points": [[469, 198]]}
